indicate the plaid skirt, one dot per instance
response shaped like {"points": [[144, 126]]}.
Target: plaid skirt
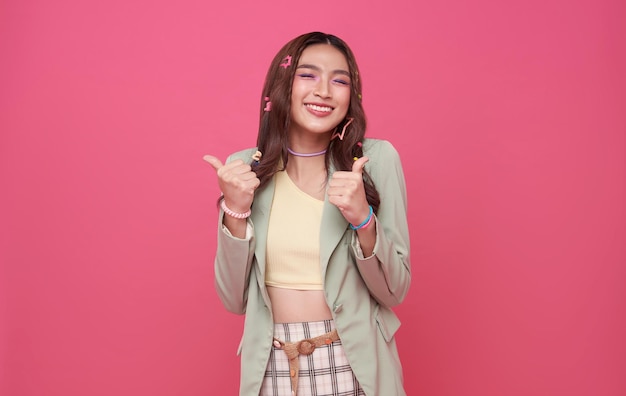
{"points": [[325, 372]]}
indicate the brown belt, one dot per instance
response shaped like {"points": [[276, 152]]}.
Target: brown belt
{"points": [[304, 347]]}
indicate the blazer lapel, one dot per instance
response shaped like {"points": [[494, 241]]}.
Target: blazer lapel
{"points": [[333, 227], [260, 218]]}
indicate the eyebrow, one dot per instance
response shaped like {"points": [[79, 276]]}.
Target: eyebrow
{"points": [[338, 71]]}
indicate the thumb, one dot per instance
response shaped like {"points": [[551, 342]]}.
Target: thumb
{"points": [[213, 161], [359, 164]]}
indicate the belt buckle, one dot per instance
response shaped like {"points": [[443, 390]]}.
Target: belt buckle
{"points": [[306, 347]]}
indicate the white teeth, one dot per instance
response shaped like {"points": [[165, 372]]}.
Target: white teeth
{"points": [[319, 108]]}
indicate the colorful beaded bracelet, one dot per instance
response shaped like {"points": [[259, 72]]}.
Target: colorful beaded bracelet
{"points": [[365, 222]]}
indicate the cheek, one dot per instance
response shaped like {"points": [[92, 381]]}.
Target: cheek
{"points": [[294, 95], [345, 98], [296, 92]]}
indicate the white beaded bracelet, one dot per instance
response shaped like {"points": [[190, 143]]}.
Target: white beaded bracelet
{"points": [[236, 215]]}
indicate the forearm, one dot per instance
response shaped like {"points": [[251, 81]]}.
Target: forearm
{"points": [[367, 238], [386, 269], [233, 261], [237, 227]]}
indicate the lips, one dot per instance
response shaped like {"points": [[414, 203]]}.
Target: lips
{"points": [[319, 108]]}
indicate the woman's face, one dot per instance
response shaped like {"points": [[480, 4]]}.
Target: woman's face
{"points": [[320, 95]]}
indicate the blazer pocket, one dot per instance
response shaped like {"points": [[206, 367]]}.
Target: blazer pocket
{"points": [[388, 322]]}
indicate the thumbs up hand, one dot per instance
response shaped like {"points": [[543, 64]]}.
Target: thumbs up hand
{"points": [[237, 182], [346, 192]]}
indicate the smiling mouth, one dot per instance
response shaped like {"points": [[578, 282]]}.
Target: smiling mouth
{"points": [[324, 109]]}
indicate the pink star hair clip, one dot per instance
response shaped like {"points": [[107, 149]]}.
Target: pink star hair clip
{"points": [[286, 62]]}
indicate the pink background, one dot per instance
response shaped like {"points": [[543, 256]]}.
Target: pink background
{"points": [[508, 115]]}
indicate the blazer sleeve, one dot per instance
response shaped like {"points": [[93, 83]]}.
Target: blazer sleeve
{"points": [[233, 262], [387, 272]]}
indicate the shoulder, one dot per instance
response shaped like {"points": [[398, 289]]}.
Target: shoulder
{"points": [[380, 151], [384, 165], [244, 155]]}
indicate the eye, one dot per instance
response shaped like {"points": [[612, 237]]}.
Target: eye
{"points": [[341, 81], [306, 76]]}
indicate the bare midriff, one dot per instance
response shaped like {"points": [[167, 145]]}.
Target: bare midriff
{"points": [[290, 305]]}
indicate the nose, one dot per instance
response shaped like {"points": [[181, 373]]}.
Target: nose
{"points": [[322, 89]]}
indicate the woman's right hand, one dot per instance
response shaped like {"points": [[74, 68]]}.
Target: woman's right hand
{"points": [[237, 182]]}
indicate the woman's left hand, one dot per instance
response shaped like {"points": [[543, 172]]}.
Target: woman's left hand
{"points": [[346, 192]]}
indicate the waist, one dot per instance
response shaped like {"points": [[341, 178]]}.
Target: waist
{"points": [[297, 331], [292, 306]]}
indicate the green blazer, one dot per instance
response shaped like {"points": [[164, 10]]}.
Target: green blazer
{"points": [[360, 291]]}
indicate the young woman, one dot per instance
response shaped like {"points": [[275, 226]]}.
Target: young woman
{"points": [[313, 243]]}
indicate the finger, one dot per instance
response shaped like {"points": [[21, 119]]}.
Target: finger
{"points": [[246, 176], [346, 180], [238, 167], [213, 161], [359, 164]]}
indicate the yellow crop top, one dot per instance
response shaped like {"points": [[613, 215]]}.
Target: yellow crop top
{"points": [[293, 238]]}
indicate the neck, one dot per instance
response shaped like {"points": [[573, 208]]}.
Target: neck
{"points": [[307, 170], [307, 165]]}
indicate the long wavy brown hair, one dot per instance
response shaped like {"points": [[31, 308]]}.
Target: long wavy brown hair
{"points": [[272, 140]]}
